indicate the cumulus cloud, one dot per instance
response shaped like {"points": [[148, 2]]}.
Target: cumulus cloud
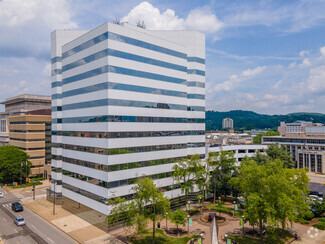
{"points": [[235, 79], [322, 51], [316, 80], [305, 63], [28, 24], [198, 19]]}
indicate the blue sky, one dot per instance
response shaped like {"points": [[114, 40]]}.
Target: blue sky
{"points": [[264, 56]]}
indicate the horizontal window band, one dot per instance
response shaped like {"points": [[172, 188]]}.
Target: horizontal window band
{"points": [[56, 59], [124, 39], [196, 84], [127, 103], [28, 131], [116, 118], [133, 134], [113, 184], [118, 167], [27, 140], [56, 108], [56, 72], [56, 96], [115, 53], [195, 72], [123, 71], [56, 84], [126, 150], [123, 87], [195, 96], [196, 59]]}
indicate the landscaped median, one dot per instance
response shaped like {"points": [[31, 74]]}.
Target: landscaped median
{"points": [[161, 238]]}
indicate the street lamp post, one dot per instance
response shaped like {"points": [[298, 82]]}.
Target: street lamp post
{"points": [[201, 238], [166, 221], [54, 199], [189, 206], [234, 208], [220, 203], [243, 224], [188, 224]]}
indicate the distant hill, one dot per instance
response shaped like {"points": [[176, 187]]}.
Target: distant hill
{"points": [[251, 120]]}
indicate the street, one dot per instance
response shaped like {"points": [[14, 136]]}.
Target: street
{"points": [[36, 230], [316, 182]]}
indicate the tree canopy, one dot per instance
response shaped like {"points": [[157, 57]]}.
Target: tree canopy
{"points": [[13, 164], [274, 194], [258, 138], [148, 203]]}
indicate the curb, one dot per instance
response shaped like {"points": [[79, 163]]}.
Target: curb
{"points": [[51, 224]]}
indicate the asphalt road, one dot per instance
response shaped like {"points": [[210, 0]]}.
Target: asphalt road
{"points": [[36, 230], [316, 183]]}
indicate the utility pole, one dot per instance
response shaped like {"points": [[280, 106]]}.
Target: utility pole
{"points": [[21, 165], [33, 190]]}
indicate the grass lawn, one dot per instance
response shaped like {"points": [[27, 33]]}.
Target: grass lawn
{"points": [[161, 238], [243, 239]]}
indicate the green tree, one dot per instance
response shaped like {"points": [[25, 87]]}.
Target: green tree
{"points": [[273, 152], [184, 173], [178, 218], [13, 164], [274, 194], [202, 178], [258, 138], [223, 166], [148, 203]]}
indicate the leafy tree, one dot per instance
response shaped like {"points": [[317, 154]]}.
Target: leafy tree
{"points": [[178, 218], [148, 203], [202, 178], [13, 164], [184, 173], [258, 138], [273, 152], [223, 166], [274, 194], [318, 208]]}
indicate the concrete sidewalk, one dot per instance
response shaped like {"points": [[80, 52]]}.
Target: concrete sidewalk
{"points": [[72, 224]]}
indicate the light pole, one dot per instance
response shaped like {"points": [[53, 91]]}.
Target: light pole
{"points": [[234, 208], [201, 238], [166, 221], [243, 224], [220, 203], [188, 224], [189, 206]]}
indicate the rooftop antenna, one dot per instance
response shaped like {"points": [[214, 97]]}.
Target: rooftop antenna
{"points": [[141, 24], [117, 21]]}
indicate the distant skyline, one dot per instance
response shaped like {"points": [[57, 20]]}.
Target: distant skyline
{"points": [[262, 56]]}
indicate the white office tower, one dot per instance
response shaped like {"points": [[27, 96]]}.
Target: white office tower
{"points": [[127, 102]]}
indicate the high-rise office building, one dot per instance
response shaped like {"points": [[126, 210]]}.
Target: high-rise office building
{"points": [[126, 102], [227, 123]]}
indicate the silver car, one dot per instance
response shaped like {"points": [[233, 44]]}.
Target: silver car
{"points": [[1, 194], [19, 221]]}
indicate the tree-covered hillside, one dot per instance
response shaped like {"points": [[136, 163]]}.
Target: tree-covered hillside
{"points": [[251, 120]]}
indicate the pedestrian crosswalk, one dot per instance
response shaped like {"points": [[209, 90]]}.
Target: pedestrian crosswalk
{"points": [[6, 205]]}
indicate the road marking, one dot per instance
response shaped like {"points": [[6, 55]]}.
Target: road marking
{"points": [[3, 205], [50, 239], [15, 230], [4, 219], [33, 226]]}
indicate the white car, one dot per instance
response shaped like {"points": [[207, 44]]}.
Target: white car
{"points": [[316, 198], [1, 194], [19, 221]]}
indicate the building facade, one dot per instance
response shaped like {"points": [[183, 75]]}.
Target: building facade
{"points": [[227, 123], [20, 105], [32, 134], [126, 102], [307, 148], [240, 151]]}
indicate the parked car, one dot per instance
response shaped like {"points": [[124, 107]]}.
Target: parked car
{"points": [[19, 221], [314, 197], [317, 193], [1, 194], [17, 207]]}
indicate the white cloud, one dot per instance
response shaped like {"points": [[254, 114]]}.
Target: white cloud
{"points": [[235, 79], [198, 19], [316, 80], [322, 51], [305, 63], [303, 53], [277, 85], [278, 98]]}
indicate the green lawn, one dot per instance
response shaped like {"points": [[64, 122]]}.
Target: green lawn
{"points": [[161, 238]]}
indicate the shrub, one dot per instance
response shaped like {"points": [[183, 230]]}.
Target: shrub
{"points": [[308, 216], [320, 225], [194, 211], [322, 219]]}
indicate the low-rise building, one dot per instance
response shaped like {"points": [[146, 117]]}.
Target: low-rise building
{"points": [[32, 134]]}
